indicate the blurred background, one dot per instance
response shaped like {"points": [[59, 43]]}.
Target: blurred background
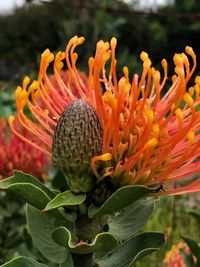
{"points": [[28, 27], [159, 27]]}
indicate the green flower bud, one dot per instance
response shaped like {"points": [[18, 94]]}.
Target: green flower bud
{"points": [[77, 138]]}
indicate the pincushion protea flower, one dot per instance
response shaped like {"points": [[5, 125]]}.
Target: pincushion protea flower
{"points": [[173, 258], [147, 138], [15, 154]]}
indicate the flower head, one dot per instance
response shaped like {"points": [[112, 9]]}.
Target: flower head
{"points": [[15, 154], [148, 137]]}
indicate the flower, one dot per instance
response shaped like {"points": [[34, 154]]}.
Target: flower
{"points": [[149, 137], [15, 154], [174, 256]]}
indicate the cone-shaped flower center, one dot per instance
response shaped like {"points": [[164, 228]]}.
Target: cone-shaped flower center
{"points": [[77, 138]]}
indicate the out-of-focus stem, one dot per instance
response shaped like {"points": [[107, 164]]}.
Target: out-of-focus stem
{"points": [[86, 260]]}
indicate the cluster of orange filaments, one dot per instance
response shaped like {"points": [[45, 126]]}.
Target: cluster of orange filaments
{"points": [[147, 138]]}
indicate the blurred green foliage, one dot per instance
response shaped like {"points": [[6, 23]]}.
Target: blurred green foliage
{"points": [[14, 237], [27, 32], [171, 217], [7, 103]]}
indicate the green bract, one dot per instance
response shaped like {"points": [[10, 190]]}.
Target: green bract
{"points": [[68, 229]]}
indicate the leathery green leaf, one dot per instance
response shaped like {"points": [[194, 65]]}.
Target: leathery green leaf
{"points": [[66, 198], [132, 250], [23, 262], [120, 199]]}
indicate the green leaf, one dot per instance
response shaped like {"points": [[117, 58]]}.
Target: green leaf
{"points": [[188, 258], [23, 262], [194, 213], [28, 188], [58, 181], [194, 247], [132, 250], [66, 198], [120, 199], [40, 226], [32, 191], [198, 261], [131, 219], [68, 262], [103, 242]]}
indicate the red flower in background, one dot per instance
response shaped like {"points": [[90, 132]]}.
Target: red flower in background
{"points": [[148, 138], [18, 155], [174, 258]]}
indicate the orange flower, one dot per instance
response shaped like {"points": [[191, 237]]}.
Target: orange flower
{"points": [[15, 154], [147, 138], [173, 258]]}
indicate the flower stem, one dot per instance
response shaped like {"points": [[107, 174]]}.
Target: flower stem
{"points": [[83, 260], [86, 229]]}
